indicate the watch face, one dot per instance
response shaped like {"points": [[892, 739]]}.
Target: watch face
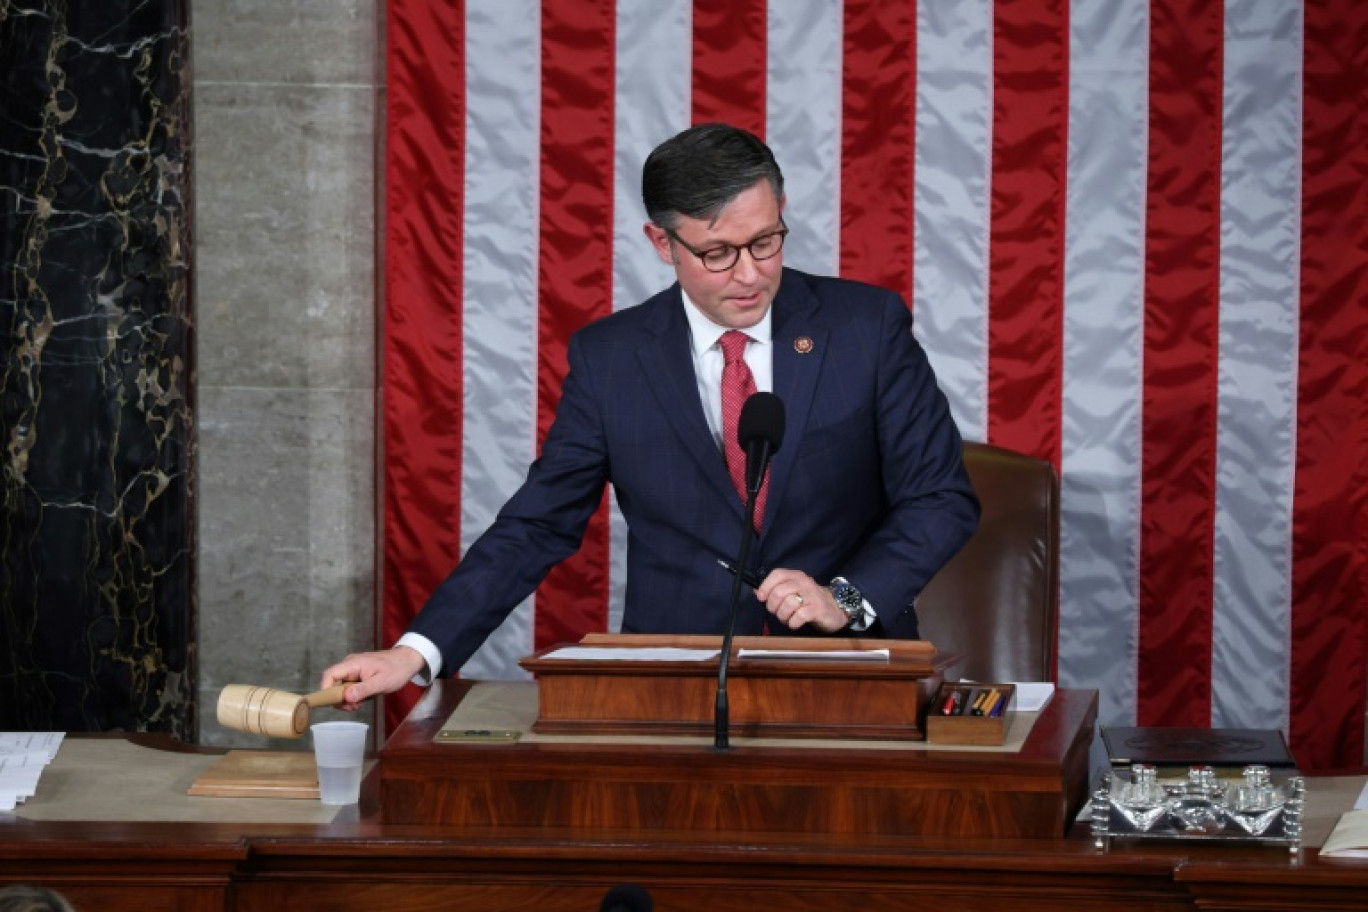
{"points": [[848, 597]]}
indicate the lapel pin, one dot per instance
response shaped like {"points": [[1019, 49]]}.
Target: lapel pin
{"points": [[802, 345]]}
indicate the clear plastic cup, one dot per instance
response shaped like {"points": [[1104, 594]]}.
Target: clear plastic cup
{"points": [[340, 751]]}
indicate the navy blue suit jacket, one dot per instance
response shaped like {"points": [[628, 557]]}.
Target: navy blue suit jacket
{"points": [[868, 483]]}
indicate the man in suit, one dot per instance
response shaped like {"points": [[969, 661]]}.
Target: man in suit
{"points": [[866, 498]]}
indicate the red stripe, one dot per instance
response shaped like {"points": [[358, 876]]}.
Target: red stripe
{"points": [[575, 275], [1180, 358], [877, 97], [729, 54], [1026, 259], [421, 347], [1330, 505]]}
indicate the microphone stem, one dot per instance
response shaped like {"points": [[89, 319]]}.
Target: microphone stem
{"points": [[721, 720]]}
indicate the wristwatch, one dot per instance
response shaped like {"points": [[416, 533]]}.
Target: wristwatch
{"points": [[848, 599]]}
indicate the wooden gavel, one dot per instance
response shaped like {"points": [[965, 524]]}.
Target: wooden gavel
{"points": [[267, 711]]}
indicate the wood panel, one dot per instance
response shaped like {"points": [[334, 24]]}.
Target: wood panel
{"points": [[774, 696], [493, 870], [592, 785], [160, 869], [557, 896]]}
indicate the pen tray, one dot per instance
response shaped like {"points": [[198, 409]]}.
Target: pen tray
{"points": [[962, 726]]}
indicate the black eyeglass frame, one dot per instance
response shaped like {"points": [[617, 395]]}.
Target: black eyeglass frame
{"points": [[749, 247]]}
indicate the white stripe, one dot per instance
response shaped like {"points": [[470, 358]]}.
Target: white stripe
{"points": [[1103, 347], [803, 126], [502, 189], [651, 104], [1257, 380], [951, 208]]}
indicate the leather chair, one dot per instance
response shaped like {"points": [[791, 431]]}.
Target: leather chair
{"points": [[997, 601]]}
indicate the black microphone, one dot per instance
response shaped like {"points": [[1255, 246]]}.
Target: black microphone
{"points": [[760, 431], [627, 898]]}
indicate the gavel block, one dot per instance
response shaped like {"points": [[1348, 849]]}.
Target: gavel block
{"points": [[268, 711]]}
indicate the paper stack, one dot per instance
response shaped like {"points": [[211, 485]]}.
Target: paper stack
{"points": [[1349, 838], [23, 755]]}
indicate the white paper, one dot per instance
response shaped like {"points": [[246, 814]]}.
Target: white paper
{"points": [[19, 773], [19, 777], [1362, 803], [634, 653], [22, 758], [1349, 838], [819, 655], [1032, 696], [45, 743]]}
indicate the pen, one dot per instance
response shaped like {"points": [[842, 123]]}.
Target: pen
{"points": [[989, 699], [998, 706], [994, 698], [951, 704], [750, 579]]}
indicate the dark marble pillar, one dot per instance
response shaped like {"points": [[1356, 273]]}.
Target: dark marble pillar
{"points": [[96, 527]]}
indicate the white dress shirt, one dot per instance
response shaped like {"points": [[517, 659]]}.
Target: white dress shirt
{"points": [[705, 341]]}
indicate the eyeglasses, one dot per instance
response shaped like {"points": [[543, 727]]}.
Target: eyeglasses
{"points": [[724, 256]]}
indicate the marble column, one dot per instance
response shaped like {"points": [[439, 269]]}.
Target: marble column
{"points": [[97, 601]]}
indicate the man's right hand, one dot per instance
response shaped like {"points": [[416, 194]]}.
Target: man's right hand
{"points": [[374, 673]]}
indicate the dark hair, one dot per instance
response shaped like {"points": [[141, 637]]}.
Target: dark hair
{"points": [[26, 898], [698, 172]]}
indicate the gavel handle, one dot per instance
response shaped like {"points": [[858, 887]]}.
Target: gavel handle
{"points": [[329, 696]]}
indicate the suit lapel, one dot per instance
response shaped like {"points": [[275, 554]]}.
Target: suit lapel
{"points": [[800, 348], [667, 363]]}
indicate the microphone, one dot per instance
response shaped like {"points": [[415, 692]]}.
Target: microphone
{"points": [[627, 898], [760, 431]]}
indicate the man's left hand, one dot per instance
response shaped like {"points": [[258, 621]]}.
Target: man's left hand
{"points": [[795, 599]]}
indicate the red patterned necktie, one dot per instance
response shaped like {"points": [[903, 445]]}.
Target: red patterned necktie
{"points": [[737, 386]]}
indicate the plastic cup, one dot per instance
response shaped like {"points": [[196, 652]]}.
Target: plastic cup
{"points": [[340, 751]]}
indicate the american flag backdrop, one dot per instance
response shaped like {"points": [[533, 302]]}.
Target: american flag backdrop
{"points": [[1133, 235]]}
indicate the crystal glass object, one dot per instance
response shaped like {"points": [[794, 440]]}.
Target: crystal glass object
{"points": [[1198, 803], [1142, 801], [1259, 806], [1256, 802]]}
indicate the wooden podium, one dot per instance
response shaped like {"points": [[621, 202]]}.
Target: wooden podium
{"points": [[783, 687], [583, 784]]}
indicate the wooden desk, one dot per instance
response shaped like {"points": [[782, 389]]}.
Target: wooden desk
{"points": [[765, 787], [358, 862]]}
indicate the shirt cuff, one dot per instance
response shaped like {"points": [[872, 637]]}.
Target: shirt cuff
{"points": [[424, 647], [864, 620]]}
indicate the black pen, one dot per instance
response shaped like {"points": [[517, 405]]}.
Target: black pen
{"points": [[750, 579]]}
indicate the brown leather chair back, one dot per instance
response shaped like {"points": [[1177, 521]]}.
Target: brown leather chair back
{"points": [[997, 601]]}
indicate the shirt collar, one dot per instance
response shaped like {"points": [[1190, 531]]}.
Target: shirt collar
{"points": [[704, 333]]}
